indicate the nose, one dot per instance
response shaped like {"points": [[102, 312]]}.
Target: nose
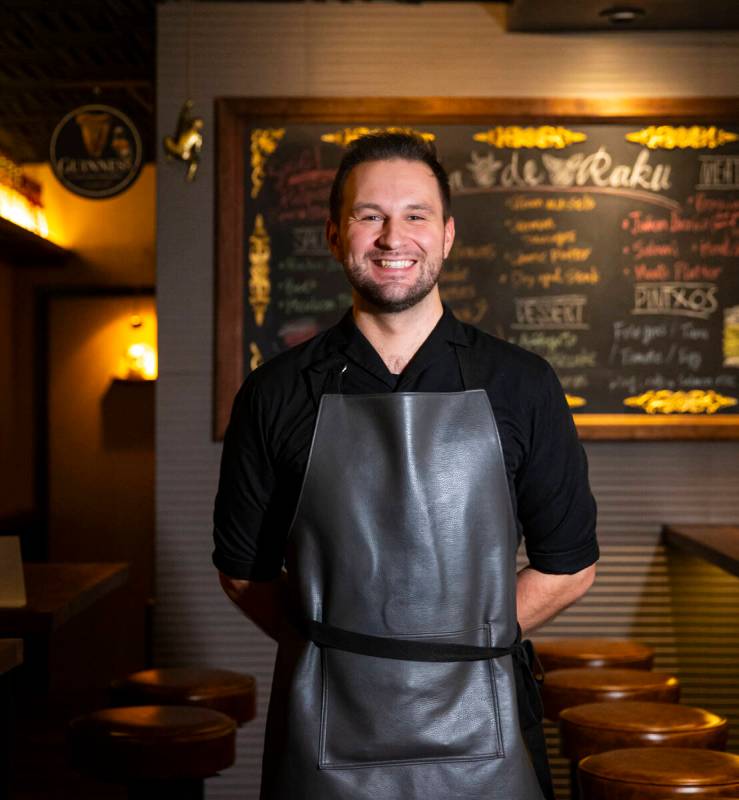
{"points": [[391, 235]]}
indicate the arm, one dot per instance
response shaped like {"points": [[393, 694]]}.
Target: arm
{"points": [[556, 509], [540, 595], [263, 602]]}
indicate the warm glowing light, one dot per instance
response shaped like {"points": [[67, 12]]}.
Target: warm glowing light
{"points": [[140, 363], [18, 209]]}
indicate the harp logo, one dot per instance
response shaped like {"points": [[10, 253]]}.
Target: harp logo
{"points": [[96, 151]]}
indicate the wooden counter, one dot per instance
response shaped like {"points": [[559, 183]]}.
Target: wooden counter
{"points": [[66, 630], [57, 592], [718, 544]]}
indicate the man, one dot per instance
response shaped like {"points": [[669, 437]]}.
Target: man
{"points": [[391, 465]]}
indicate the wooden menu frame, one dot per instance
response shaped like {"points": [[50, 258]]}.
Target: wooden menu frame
{"points": [[234, 115]]}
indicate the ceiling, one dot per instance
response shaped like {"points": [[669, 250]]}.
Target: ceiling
{"points": [[547, 16], [56, 55]]}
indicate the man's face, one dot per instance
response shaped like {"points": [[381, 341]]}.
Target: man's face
{"points": [[392, 238]]}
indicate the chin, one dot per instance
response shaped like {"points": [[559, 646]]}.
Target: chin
{"points": [[389, 303]]}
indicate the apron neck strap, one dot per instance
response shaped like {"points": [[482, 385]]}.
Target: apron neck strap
{"points": [[470, 370]]}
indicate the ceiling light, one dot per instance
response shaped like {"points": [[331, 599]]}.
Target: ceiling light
{"points": [[622, 15]]}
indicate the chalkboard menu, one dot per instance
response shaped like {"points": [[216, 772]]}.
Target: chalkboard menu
{"points": [[609, 247]]}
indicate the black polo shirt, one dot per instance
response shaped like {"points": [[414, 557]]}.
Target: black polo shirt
{"points": [[269, 435]]}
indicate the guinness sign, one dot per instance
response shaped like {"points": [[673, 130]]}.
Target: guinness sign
{"points": [[96, 151]]}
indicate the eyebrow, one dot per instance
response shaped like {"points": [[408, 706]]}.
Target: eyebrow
{"points": [[376, 207]]}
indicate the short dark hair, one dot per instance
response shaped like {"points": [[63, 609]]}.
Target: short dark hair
{"points": [[386, 146]]}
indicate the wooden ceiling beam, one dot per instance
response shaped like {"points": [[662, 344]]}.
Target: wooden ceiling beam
{"points": [[8, 85], [51, 47]]}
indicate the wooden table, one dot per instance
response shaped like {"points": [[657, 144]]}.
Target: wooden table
{"points": [[69, 626], [62, 650], [56, 593], [718, 544]]}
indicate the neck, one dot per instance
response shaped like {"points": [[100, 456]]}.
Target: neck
{"points": [[396, 337]]}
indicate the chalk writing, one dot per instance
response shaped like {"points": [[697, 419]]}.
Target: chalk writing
{"points": [[594, 169], [575, 382], [472, 313], [598, 169], [309, 241], [522, 202], [559, 239], [527, 225], [684, 299], [480, 252], [718, 172], [293, 264], [554, 313], [292, 287], [648, 248]]}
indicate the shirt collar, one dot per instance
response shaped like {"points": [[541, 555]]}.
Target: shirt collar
{"points": [[345, 339]]}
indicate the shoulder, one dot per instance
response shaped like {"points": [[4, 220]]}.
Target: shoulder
{"points": [[500, 359], [277, 390], [290, 364]]}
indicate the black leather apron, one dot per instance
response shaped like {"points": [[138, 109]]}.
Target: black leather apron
{"points": [[397, 679]]}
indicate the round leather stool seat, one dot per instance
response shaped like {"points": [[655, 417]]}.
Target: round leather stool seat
{"points": [[659, 773], [126, 745], [220, 689], [599, 727], [563, 688], [614, 653]]}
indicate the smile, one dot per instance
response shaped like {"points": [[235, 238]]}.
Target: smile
{"points": [[387, 263]]}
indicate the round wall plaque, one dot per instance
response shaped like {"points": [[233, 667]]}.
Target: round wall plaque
{"points": [[96, 151]]}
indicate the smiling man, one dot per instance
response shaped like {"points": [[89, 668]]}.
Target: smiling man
{"points": [[375, 484]]}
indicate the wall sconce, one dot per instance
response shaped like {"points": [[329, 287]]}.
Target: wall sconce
{"points": [[139, 363], [20, 199]]}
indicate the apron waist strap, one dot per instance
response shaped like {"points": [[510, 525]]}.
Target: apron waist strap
{"points": [[364, 644]]}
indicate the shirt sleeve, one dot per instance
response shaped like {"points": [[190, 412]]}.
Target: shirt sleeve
{"points": [[555, 505], [243, 547]]}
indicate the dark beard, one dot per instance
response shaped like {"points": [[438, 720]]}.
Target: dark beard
{"points": [[373, 295]]}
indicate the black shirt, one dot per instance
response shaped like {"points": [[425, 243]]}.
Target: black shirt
{"points": [[268, 439]]}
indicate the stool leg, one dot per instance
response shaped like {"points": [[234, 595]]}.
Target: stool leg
{"points": [[574, 785], [191, 789]]}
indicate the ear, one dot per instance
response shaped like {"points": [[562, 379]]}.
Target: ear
{"points": [[448, 236], [334, 240]]}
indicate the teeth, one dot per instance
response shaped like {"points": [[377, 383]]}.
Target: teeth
{"points": [[395, 264]]}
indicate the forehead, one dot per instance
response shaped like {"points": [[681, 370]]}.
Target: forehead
{"points": [[392, 181]]}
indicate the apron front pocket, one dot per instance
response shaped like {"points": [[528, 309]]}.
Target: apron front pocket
{"points": [[381, 711]]}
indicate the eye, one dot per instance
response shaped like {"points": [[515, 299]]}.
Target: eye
{"points": [[416, 218]]}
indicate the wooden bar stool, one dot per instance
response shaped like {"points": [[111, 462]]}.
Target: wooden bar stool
{"points": [[599, 727], [158, 752], [659, 773], [614, 653], [231, 693], [563, 688]]}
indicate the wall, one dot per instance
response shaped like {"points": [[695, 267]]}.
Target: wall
{"points": [[113, 244], [400, 50], [7, 502], [101, 452]]}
